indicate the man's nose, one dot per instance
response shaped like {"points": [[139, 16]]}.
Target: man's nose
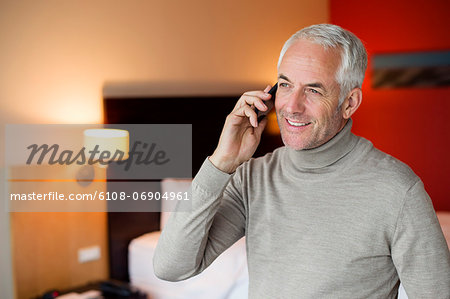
{"points": [[295, 103]]}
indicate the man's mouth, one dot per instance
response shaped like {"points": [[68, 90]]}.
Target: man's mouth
{"points": [[297, 124]]}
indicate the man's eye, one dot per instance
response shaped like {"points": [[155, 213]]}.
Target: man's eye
{"points": [[313, 91], [284, 85]]}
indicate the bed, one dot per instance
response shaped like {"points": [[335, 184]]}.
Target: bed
{"points": [[226, 277]]}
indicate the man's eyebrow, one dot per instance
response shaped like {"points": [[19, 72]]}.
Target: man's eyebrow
{"points": [[316, 85], [281, 76]]}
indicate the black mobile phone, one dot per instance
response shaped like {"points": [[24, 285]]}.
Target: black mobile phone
{"points": [[270, 103]]}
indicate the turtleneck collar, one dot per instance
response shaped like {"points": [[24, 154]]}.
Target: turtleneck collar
{"points": [[326, 154]]}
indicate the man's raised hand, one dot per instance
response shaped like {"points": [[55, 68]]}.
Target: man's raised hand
{"points": [[241, 133]]}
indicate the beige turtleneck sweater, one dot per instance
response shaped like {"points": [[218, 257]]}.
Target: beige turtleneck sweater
{"points": [[343, 220]]}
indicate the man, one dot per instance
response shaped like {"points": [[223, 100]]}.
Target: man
{"points": [[325, 216]]}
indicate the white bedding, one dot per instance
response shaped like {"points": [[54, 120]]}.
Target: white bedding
{"points": [[225, 278]]}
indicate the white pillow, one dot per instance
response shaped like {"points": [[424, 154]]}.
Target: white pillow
{"points": [[444, 220], [171, 185]]}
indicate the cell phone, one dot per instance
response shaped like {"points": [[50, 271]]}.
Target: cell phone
{"points": [[270, 103]]}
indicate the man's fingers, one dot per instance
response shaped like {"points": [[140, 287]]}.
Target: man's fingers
{"points": [[255, 98], [262, 124], [257, 94], [248, 101], [251, 114], [248, 112]]}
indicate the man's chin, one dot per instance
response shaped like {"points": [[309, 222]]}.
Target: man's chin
{"points": [[295, 148], [297, 145]]}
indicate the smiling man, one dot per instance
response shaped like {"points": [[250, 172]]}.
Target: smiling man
{"points": [[325, 216], [308, 107]]}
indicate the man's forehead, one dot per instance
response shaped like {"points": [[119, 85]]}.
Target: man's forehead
{"points": [[305, 58]]}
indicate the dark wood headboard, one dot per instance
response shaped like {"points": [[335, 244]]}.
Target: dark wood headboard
{"points": [[206, 114]]}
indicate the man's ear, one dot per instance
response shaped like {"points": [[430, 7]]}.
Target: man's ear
{"points": [[351, 103]]}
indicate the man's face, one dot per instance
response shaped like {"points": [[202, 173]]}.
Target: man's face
{"points": [[308, 96]]}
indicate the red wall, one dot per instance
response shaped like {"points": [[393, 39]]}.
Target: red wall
{"points": [[411, 124]]}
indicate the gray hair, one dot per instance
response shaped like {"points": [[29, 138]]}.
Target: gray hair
{"points": [[350, 73]]}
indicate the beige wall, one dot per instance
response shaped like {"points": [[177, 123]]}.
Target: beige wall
{"points": [[45, 250], [45, 245], [55, 56]]}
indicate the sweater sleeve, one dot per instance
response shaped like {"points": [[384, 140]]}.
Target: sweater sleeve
{"points": [[200, 229], [419, 250]]}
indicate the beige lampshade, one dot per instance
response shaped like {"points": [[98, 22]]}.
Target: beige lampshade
{"points": [[108, 140]]}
